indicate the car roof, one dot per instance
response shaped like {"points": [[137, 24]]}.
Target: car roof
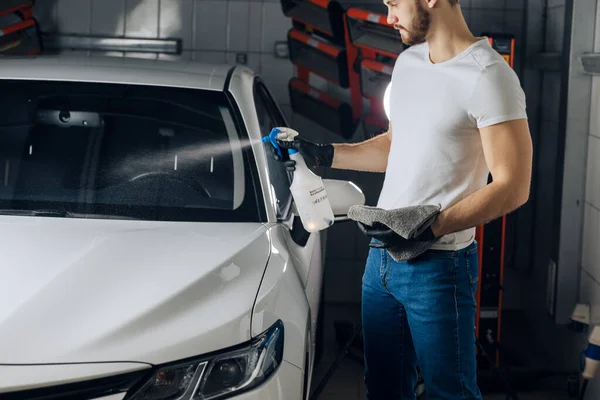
{"points": [[108, 69]]}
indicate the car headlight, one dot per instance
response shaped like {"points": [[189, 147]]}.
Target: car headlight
{"points": [[220, 376]]}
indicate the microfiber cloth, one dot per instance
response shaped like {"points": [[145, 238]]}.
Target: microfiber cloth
{"points": [[407, 222]]}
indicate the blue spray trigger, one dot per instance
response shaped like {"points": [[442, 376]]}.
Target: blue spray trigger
{"points": [[273, 139]]}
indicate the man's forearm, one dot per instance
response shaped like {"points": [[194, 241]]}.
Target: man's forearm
{"points": [[492, 201], [370, 155]]}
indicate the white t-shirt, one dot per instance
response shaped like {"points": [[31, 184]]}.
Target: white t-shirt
{"points": [[436, 110]]}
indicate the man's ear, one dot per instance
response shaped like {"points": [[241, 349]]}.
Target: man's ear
{"points": [[431, 3]]}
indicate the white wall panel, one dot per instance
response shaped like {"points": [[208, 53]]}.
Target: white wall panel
{"points": [[590, 294], [108, 18], [273, 26], [141, 20], [256, 19], [589, 222], [211, 25], [590, 274], [277, 73], [176, 20], [239, 26], [593, 172], [595, 107], [74, 15], [591, 242]]}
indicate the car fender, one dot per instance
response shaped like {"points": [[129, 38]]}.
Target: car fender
{"points": [[281, 296]]}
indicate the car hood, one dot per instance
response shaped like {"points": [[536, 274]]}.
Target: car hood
{"points": [[80, 290]]}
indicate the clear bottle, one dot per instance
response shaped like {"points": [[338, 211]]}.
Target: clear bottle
{"points": [[308, 191]]}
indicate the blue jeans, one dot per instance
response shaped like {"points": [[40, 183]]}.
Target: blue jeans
{"points": [[420, 312]]}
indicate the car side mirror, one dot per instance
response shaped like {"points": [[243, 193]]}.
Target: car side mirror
{"points": [[343, 195]]}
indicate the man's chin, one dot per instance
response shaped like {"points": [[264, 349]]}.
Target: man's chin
{"points": [[405, 37], [408, 40]]}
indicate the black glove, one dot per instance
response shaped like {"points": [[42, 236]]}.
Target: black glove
{"points": [[389, 238], [425, 236], [382, 233], [318, 154]]}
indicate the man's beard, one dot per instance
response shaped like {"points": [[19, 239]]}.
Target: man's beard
{"points": [[419, 27]]}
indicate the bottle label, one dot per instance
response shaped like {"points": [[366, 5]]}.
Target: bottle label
{"points": [[314, 192], [321, 198]]}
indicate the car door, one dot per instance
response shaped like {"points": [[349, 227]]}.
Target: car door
{"points": [[304, 247]]}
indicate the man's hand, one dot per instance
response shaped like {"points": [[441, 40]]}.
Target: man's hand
{"points": [[508, 152], [318, 154]]}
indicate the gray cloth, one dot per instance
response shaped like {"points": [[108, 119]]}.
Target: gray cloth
{"points": [[407, 222]]}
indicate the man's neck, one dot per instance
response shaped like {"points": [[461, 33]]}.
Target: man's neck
{"points": [[448, 36]]}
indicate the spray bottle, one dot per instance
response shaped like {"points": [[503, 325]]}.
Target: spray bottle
{"points": [[307, 188]]}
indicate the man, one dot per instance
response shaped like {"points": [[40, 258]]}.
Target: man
{"points": [[457, 113]]}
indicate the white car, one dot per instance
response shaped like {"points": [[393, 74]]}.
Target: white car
{"points": [[150, 245]]}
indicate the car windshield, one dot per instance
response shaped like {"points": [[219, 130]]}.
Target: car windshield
{"points": [[73, 149]]}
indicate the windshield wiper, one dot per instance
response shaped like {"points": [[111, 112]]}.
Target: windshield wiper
{"points": [[60, 213], [37, 213]]}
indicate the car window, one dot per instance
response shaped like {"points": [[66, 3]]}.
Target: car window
{"points": [[270, 117], [136, 151]]}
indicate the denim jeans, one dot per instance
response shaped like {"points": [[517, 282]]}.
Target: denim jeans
{"points": [[420, 312]]}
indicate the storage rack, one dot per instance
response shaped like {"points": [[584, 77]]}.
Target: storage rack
{"points": [[317, 45], [350, 47], [19, 33], [378, 45]]}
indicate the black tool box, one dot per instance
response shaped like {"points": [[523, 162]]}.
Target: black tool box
{"points": [[321, 17], [322, 108], [319, 56]]}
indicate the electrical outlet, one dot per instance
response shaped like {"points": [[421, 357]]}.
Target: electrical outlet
{"points": [[241, 58], [281, 50]]}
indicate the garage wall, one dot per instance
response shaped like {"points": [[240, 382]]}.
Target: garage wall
{"points": [[220, 30], [590, 262], [538, 224], [546, 148], [566, 179], [211, 30], [590, 257]]}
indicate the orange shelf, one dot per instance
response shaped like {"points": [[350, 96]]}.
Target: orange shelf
{"points": [[316, 43], [369, 16], [16, 5]]}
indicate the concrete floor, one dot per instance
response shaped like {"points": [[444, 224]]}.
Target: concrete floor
{"points": [[347, 381]]}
